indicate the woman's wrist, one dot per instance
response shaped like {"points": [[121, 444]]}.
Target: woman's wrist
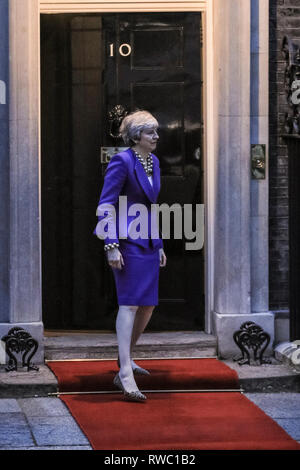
{"points": [[111, 246]]}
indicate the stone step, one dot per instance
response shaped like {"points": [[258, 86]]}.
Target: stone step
{"points": [[24, 384], [275, 377], [93, 345]]}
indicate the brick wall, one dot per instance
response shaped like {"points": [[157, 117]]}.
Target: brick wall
{"points": [[284, 20]]}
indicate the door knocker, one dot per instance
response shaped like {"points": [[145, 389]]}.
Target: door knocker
{"points": [[115, 118]]}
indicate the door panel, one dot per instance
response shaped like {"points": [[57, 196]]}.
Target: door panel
{"points": [[146, 42], [85, 73]]}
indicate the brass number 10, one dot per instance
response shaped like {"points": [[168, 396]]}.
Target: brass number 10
{"points": [[122, 52]]}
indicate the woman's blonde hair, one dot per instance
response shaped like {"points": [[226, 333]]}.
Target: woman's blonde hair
{"points": [[134, 123]]}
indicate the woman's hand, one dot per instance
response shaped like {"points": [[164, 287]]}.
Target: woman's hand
{"points": [[114, 258], [162, 258]]}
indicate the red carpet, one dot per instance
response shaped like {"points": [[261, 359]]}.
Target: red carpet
{"points": [[166, 374], [172, 420]]}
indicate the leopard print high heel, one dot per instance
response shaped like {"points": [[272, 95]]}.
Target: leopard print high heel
{"points": [[129, 396]]}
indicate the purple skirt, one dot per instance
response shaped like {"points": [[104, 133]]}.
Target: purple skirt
{"points": [[137, 281]]}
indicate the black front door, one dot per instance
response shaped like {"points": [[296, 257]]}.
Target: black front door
{"points": [[90, 64]]}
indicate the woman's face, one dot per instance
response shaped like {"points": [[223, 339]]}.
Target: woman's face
{"points": [[148, 140]]}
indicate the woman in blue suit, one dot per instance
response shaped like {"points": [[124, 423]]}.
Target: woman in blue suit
{"points": [[135, 256]]}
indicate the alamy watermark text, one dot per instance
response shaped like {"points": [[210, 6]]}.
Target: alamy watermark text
{"points": [[188, 222]]}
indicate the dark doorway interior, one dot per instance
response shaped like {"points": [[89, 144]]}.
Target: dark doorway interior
{"points": [[85, 72]]}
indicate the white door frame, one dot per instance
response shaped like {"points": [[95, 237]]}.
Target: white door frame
{"points": [[206, 7]]}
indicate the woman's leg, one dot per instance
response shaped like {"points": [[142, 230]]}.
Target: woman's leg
{"points": [[142, 318], [124, 327]]}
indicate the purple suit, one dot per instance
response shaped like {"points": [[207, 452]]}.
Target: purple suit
{"points": [[137, 281]]}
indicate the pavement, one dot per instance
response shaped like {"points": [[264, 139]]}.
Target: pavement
{"points": [[45, 423], [42, 423], [32, 418]]}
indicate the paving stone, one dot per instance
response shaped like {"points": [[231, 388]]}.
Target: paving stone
{"points": [[12, 419], [291, 426], [278, 405], [16, 435], [282, 407], [61, 430], [43, 406], [9, 405]]}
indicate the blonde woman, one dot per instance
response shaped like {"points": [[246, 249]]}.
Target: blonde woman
{"points": [[134, 173]]}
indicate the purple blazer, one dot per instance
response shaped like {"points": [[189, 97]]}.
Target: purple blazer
{"points": [[125, 176]]}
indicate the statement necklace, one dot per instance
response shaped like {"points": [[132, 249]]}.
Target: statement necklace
{"points": [[147, 164]]}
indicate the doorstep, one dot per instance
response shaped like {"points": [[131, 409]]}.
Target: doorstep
{"points": [[103, 345], [266, 378], [274, 377], [23, 384]]}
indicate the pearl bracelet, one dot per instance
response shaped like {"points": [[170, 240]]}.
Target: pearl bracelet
{"points": [[110, 246]]}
